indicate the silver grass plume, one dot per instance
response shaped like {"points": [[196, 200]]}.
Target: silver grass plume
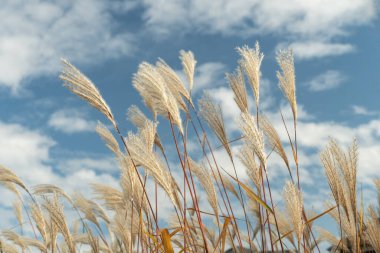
{"points": [[188, 64], [138, 118], [17, 207], [112, 198], [8, 177], [373, 228], [144, 156], [247, 158], [40, 221], [108, 138], [287, 78], [335, 242], [155, 93], [253, 136], [8, 248], [43, 189], [81, 86], [294, 207], [174, 84], [237, 85], [57, 216], [205, 179], [251, 61], [22, 241], [212, 113], [273, 138]]}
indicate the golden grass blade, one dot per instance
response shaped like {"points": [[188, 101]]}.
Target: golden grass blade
{"points": [[308, 221], [81, 86], [252, 195], [167, 244], [222, 236]]}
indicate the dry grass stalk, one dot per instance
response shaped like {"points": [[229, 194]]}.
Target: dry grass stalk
{"points": [[253, 136], [237, 85], [251, 61], [212, 113], [287, 78], [81, 86], [188, 64]]}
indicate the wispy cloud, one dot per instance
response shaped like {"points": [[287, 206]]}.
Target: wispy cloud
{"points": [[209, 74], [314, 23], [35, 34], [361, 110], [306, 50], [326, 81], [71, 121]]}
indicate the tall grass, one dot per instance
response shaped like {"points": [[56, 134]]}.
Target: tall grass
{"points": [[126, 218]]}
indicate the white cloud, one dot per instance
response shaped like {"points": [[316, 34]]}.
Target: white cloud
{"points": [[35, 34], [71, 121], [102, 164], [209, 75], [306, 50], [27, 153], [326, 81], [315, 23], [361, 110]]}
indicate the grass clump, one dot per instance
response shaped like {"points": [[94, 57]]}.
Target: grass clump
{"points": [[125, 218]]}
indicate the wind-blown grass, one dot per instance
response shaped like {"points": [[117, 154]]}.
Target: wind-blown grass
{"points": [[125, 218]]}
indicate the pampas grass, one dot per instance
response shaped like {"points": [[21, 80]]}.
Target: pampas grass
{"points": [[122, 218]]}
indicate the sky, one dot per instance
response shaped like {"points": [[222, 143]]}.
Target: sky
{"points": [[47, 135]]}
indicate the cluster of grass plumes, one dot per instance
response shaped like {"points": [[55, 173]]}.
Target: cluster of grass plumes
{"points": [[125, 218]]}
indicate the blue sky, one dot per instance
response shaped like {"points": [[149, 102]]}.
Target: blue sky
{"points": [[47, 135]]}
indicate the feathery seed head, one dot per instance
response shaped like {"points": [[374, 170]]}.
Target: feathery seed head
{"points": [[81, 86], [212, 113], [188, 64], [294, 207], [287, 78], [237, 85], [253, 136], [156, 95], [251, 61]]}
